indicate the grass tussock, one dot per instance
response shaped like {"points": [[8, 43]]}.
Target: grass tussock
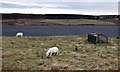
{"points": [[28, 53]]}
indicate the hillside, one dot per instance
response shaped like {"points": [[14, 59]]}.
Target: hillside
{"points": [[58, 19]]}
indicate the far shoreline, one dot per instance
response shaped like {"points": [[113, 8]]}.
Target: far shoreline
{"points": [[60, 25], [57, 22]]}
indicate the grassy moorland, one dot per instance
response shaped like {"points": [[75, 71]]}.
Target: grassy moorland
{"points": [[56, 22], [28, 53]]}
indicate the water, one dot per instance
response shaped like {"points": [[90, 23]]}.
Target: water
{"points": [[10, 30]]}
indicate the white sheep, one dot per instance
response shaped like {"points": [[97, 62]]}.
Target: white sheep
{"points": [[52, 51], [19, 34]]}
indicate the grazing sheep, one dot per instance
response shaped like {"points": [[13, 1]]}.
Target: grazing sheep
{"points": [[19, 34], [52, 51]]}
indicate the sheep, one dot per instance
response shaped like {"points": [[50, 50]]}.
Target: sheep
{"points": [[52, 51], [19, 34]]}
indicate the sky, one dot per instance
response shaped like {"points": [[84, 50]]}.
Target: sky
{"points": [[86, 7]]}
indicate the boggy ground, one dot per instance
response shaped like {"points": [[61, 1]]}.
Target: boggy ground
{"points": [[28, 53]]}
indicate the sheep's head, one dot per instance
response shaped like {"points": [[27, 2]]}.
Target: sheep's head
{"points": [[47, 54]]}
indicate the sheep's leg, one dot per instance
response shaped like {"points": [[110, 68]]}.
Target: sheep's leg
{"points": [[53, 54], [56, 53], [50, 53]]}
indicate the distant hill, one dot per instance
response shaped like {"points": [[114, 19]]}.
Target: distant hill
{"points": [[57, 16]]}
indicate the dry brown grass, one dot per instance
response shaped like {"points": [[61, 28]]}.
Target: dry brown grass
{"points": [[28, 53]]}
